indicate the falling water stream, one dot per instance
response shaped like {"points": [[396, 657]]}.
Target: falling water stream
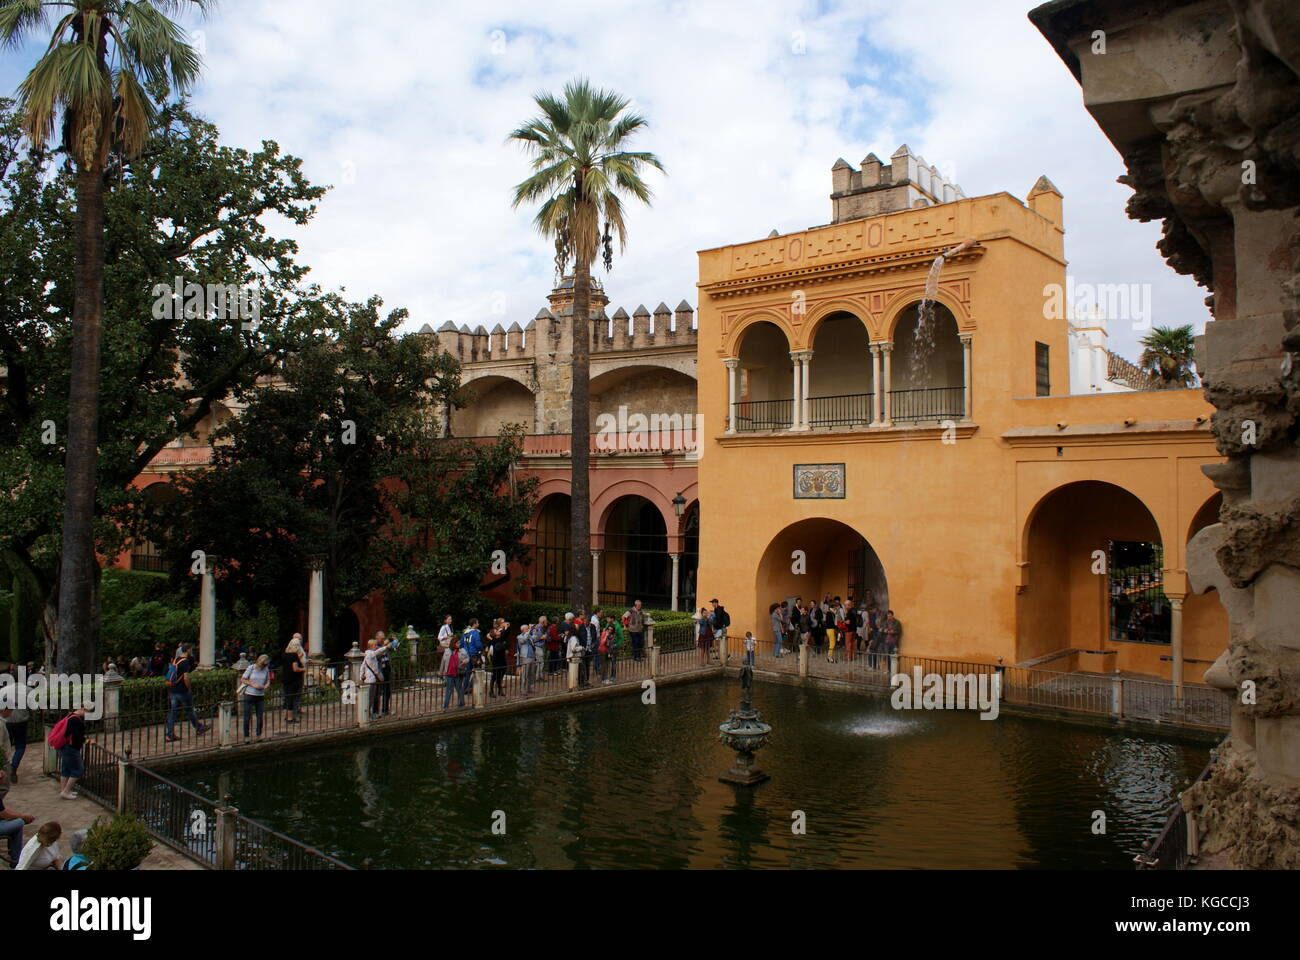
{"points": [[923, 338]]}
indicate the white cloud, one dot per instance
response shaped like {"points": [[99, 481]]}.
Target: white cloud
{"points": [[404, 106]]}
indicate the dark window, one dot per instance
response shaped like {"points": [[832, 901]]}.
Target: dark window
{"points": [[1042, 371]]}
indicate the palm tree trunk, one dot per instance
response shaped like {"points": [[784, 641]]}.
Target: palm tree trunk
{"points": [[79, 570], [580, 483]]}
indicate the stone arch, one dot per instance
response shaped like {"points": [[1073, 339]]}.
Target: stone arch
{"points": [[634, 562], [830, 548], [1207, 514], [1067, 598], [643, 388], [841, 379], [903, 301], [824, 311], [604, 503], [498, 399], [731, 343]]}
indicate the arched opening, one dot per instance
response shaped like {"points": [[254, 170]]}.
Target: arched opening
{"points": [[840, 385], [927, 370], [764, 380], [1095, 574], [145, 554], [495, 402], [653, 399], [816, 557], [550, 574], [635, 564], [1206, 516]]}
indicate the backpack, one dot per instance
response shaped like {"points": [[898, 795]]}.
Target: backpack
{"points": [[58, 737], [76, 862], [175, 676]]}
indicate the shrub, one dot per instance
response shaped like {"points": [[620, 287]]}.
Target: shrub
{"points": [[119, 843], [522, 611], [149, 694]]}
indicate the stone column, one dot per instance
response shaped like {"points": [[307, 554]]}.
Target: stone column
{"points": [[316, 610], [732, 365], [803, 659], [965, 375], [595, 578], [1176, 646], [677, 565], [877, 408], [111, 708], [887, 350], [208, 615], [806, 393], [796, 405]]}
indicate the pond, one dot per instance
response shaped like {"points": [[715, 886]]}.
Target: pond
{"points": [[620, 784]]}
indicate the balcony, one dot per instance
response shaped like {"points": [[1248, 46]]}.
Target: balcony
{"points": [[853, 411], [663, 442]]}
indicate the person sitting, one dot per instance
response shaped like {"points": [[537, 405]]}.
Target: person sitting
{"points": [[78, 861], [42, 850], [11, 829]]}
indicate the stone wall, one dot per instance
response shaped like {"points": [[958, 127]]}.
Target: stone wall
{"points": [[878, 187], [1202, 99]]}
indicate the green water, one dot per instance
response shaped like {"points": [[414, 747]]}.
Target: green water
{"points": [[616, 783]]}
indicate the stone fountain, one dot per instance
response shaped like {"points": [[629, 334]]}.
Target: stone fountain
{"points": [[746, 733]]}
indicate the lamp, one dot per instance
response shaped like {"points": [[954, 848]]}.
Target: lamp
{"points": [[679, 505]]}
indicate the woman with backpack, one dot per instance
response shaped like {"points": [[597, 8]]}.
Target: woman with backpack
{"points": [[68, 737]]}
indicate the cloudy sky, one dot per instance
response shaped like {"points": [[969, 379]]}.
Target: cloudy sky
{"points": [[403, 107]]}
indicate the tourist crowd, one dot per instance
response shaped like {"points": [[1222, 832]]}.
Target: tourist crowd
{"points": [[849, 626]]}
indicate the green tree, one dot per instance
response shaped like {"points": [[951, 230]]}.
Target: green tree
{"points": [[186, 207], [459, 503], [1170, 354], [307, 469], [581, 168], [93, 76]]}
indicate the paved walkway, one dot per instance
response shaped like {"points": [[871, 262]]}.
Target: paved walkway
{"points": [[39, 795]]}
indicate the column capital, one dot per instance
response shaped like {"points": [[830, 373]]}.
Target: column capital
{"points": [[595, 554], [801, 355], [731, 363], [965, 338], [886, 346], [874, 348], [316, 561]]}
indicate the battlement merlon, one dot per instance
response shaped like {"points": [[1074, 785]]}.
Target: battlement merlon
{"points": [[548, 333], [907, 183]]}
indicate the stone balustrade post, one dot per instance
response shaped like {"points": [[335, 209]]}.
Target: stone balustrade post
{"points": [[1117, 695], [225, 839], [112, 699], [480, 689], [225, 723], [803, 659]]}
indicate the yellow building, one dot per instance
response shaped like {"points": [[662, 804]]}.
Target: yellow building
{"points": [[943, 465]]}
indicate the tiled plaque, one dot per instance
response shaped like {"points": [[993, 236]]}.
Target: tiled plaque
{"points": [[819, 481]]}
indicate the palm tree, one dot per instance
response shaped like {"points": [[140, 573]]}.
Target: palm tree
{"points": [[580, 167], [1169, 353], [93, 77]]}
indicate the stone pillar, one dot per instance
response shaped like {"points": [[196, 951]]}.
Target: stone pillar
{"points": [[225, 723], [887, 385], [806, 393], [480, 688], [796, 404], [413, 641], [1117, 695], [208, 615], [595, 578], [1176, 646], [363, 704], [111, 708], [677, 565], [123, 785], [654, 661], [877, 405], [316, 610], [965, 375], [573, 674], [732, 365], [225, 842]]}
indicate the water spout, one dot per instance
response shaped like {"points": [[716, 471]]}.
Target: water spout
{"points": [[923, 341]]}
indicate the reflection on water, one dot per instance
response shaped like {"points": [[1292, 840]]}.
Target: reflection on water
{"points": [[622, 784]]}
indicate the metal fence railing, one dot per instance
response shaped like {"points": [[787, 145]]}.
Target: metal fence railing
{"points": [[1179, 841], [1120, 697]]}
